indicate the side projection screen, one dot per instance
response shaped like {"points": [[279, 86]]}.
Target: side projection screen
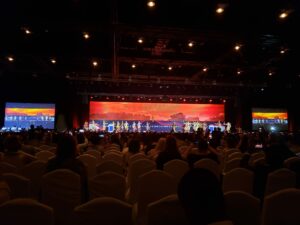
{"points": [[269, 119], [159, 117], [23, 115]]}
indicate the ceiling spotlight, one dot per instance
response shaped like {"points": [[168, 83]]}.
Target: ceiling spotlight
{"points": [[53, 61], [27, 31], [270, 73], [133, 66], [204, 69], [95, 63], [237, 47], [283, 15], [140, 40], [210, 100], [220, 10], [151, 3], [224, 100], [86, 35], [170, 68], [238, 72], [190, 44], [11, 59]]}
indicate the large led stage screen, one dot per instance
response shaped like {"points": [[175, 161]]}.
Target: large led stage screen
{"points": [[23, 115], [269, 119], [159, 117]]}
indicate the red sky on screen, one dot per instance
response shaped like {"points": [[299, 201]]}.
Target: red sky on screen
{"points": [[155, 111], [276, 115], [29, 111]]}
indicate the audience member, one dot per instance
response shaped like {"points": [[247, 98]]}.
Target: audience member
{"points": [[201, 196]]}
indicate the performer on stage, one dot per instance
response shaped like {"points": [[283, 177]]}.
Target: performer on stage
{"points": [[118, 127], [126, 126], [228, 127], [173, 129], [139, 126], [147, 126], [104, 125], [133, 127]]}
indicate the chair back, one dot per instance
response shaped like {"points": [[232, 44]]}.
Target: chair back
{"points": [[282, 207], [25, 211], [238, 179], [7, 168], [44, 155], [166, 211], [34, 172], [90, 163], [231, 164], [18, 184], [107, 184], [104, 211], [242, 208], [177, 168], [96, 154], [109, 165], [280, 179], [135, 170], [4, 192], [118, 158], [61, 190], [210, 165], [153, 186]]}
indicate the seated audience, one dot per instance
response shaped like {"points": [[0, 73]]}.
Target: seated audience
{"points": [[65, 158], [200, 193]]}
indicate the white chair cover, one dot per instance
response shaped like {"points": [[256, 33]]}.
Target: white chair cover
{"points": [[282, 208], [109, 165], [25, 211], [19, 185], [104, 211], [90, 163], [44, 155], [210, 165], [107, 184], [135, 170], [7, 168], [152, 186], [96, 154], [242, 208], [166, 211], [34, 172], [177, 168], [280, 179], [61, 189], [238, 179]]}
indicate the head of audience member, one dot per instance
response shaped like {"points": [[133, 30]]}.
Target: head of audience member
{"points": [[171, 144], [231, 141], [200, 194], [161, 144], [12, 144], [202, 145], [134, 146], [66, 147]]}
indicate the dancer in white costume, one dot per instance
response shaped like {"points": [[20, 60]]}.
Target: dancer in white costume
{"points": [[133, 127], [104, 125], [187, 127], [126, 126], [147, 127], [228, 127], [139, 126]]}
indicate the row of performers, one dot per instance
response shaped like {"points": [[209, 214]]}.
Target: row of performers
{"points": [[122, 126]]}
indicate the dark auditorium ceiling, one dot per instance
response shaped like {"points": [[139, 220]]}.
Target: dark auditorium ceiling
{"points": [[183, 42]]}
